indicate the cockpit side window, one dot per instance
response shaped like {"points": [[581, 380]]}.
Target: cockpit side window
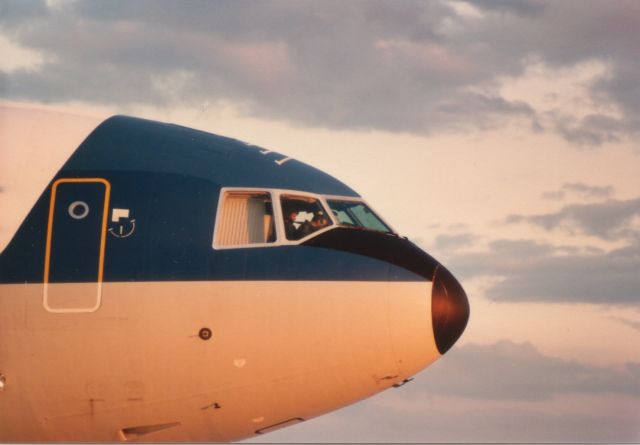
{"points": [[245, 218], [302, 216], [357, 214]]}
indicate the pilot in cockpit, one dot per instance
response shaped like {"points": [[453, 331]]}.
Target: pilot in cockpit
{"points": [[302, 216], [292, 226], [319, 221]]}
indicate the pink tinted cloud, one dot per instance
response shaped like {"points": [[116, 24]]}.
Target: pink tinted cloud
{"points": [[267, 63]]}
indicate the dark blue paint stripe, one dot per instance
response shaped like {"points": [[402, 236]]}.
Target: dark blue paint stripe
{"points": [[170, 178]]}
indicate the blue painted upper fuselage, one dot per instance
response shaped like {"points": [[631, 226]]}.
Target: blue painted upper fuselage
{"points": [[170, 177]]}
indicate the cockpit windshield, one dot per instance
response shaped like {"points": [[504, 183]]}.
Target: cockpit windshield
{"points": [[357, 214], [270, 217]]}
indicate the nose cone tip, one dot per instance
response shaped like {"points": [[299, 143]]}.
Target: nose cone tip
{"points": [[449, 309]]}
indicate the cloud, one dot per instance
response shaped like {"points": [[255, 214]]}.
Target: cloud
{"points": [[609, 220], [594, 129], [452, 242], [492, 393], [525, 7], [418, 67], [581, 190], [531, 271], [631, 323], [507, 370], [12, 12]]}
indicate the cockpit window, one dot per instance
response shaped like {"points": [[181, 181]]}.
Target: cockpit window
{"points": [[245, 218], [302, 216], [356, 213]]}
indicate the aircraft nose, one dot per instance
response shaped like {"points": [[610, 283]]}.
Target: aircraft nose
{"points": [[449, 309]]}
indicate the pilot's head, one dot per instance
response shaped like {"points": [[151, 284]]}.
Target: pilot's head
{"points": [[319, 222]]}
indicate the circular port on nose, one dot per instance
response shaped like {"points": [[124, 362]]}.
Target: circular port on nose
{"points": [[449, 309], [205, 333]]}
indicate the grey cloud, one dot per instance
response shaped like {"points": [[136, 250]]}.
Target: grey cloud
{"points": [[374, 421], [453, 242], [581, 190], [631, 323], [634, 368], [593, 129], [18, 11], [609, 220], [399, 66], [504, 392], [526, 7], [508, 370], [532, 271], [558, 194], [529, 270]]}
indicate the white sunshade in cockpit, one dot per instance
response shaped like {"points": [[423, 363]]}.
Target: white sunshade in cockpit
{"points": [[245, 218]]}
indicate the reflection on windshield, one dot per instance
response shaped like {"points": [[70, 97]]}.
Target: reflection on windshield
{"points": [[357, 214]]}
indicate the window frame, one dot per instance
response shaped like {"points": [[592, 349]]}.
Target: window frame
{"points": [[221, 199], [326, 198], [323, 203], [278, 218]]}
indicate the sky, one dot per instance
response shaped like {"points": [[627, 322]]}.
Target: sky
{"points": [[501, 136]]}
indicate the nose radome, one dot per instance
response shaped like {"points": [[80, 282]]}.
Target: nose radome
{"points": [[449, 309]]}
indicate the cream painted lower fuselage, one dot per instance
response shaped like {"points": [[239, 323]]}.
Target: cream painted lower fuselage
{"points": [[280, 352]]}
